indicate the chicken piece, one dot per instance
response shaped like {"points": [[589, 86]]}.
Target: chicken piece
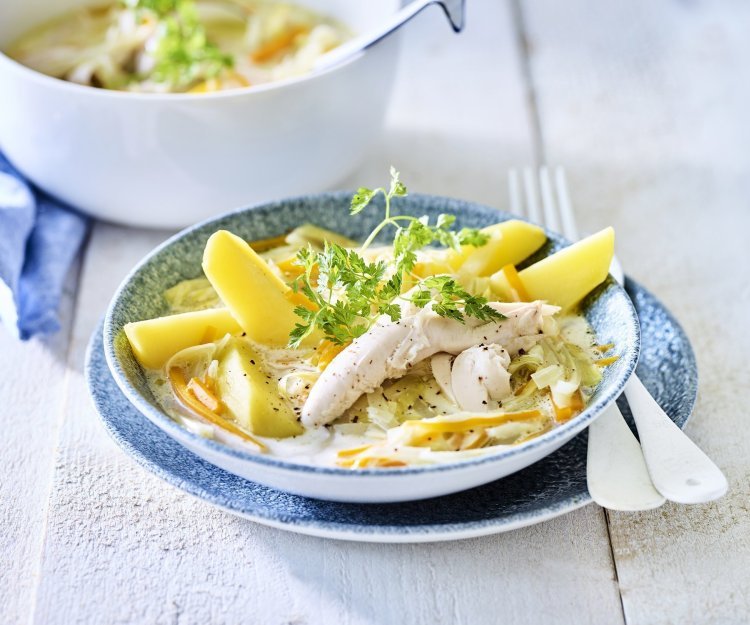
{"points": [[441, 370], [480, 374], [389, 350]]}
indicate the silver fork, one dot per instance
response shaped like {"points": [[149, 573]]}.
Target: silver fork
{"points": [[621, 474]]}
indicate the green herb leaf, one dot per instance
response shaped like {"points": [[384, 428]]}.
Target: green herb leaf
{"points": [[408, 241], [448, 295], [472, 236], [349, 293], [397, 188], [159, 7], [444, 221], [361, 199], [182, 55]]}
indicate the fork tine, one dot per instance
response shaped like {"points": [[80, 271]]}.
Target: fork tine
{"points": [[532, 199], [549, 206], [514, 191], [569, 228]]}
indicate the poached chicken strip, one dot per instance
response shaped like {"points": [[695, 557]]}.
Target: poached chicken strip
{"points": [[390, 349], [480, 375]]}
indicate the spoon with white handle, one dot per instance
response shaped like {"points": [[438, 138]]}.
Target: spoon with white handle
{"points": [[616, 472], [679, 470], [454, 11]]}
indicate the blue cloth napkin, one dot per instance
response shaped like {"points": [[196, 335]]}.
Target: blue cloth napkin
{"points": [[39, 239]]}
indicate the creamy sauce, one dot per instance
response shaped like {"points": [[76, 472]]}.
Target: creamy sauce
{"points": [[418, 390], [413, 397], [112, 46]]}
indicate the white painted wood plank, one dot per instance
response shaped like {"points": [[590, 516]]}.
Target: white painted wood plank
{"points": [[80, 433], [646, 105], [33, 385], [457, 120], [122, 547]]}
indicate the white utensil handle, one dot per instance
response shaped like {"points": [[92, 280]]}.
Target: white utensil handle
{"points": [[616, 472], [679, 469]]}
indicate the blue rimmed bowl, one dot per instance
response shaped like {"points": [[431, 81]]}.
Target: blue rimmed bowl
{"points": [[608, 309]]}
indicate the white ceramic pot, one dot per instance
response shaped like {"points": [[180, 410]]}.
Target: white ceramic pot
{"points": [[171, 160]]}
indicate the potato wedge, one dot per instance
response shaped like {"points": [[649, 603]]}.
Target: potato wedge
{"points": [[155, 341], [262, 304], [566, 277], [510, 242], [251, 395]]}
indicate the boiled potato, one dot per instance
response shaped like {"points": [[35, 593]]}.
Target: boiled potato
{"points": [[262, 304], [566, 277], [251, 395], [155, 341], [510, 242]]}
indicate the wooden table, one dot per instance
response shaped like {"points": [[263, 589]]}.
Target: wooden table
{"points": [[647, 105]]}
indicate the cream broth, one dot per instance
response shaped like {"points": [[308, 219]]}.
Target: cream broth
{"points": [[364, 424], [180, 46]]}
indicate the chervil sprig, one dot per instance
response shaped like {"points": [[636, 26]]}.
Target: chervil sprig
{"points": [[446, 296], [347, 293], [182, 54], [412, 233]]}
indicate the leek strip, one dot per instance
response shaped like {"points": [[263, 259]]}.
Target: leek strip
{"points": [[548, 375], [475, 440], [526, 390], [523, 439]]}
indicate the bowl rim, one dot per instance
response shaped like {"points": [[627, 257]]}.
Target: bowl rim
{"points": [[559, 434], [65, 85]]}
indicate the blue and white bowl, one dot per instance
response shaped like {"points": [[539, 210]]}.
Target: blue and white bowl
{"points": [[608, 309]]}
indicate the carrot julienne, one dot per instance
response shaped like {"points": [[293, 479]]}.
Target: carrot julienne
{"points": [[189, 401], [511, 273]]}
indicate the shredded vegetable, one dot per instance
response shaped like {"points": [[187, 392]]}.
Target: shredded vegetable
{"points": [[192, 404], [197, 294], [436, 376], [172, 46]]}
